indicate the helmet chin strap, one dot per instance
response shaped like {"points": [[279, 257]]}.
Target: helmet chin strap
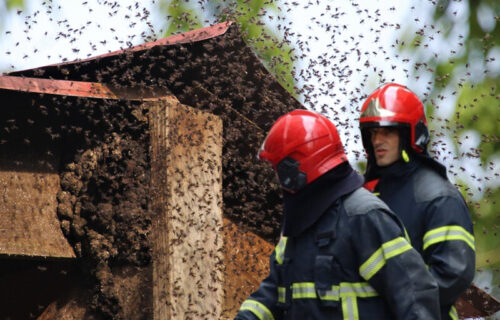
{"points": [[404, 145], [405, 156]]}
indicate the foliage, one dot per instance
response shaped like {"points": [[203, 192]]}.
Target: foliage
{"points": [[11, 4], [477, 107], [486, 39]]}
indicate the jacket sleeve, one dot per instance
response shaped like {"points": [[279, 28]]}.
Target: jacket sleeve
{"points": [[262, 304], [392, 267], [448, 247]]}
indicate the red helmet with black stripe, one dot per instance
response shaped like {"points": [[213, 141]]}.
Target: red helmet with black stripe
{"points": [[301, 146], [394, 105]]}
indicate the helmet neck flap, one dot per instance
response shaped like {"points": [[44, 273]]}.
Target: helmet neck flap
{"points": [[303, 208]]}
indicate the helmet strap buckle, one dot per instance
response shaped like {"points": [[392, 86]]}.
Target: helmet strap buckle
{"points": [[291, 178]]}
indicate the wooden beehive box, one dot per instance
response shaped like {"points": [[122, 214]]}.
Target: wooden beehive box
{"points": [[207, 224]]}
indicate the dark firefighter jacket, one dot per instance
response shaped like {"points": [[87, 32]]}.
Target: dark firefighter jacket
{"points": [[354, 262], [437, 220]]}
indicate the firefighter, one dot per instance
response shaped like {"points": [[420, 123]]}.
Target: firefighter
{"points": [[415, 187], [342, 253]]}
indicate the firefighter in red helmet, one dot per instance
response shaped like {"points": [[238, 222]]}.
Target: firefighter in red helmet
{"points": [[342, 254], [415, 186]]}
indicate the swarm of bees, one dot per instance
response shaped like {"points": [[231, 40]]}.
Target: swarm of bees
{"points": [[105, 168]]}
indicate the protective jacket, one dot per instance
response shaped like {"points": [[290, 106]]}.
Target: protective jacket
{"points": [[353, 262], [437, 220]]}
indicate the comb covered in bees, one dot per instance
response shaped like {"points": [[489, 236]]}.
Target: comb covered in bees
{"points": [[146, 161]]}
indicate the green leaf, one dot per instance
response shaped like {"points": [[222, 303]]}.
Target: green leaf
{"points": [[276, 56], [478, 108], [486, 224], [443, 74], [183, 17], [440, 9], [11, 4]]}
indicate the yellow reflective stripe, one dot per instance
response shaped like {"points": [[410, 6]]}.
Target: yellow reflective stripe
{"points": [[347, 292], [378, 259], [350, 308], [303, 290], [453, 313], [280, 250], [330, 295], [281, 294], [307, 290], [407, 236], [258, 309], [448, 233], [358, 289]]}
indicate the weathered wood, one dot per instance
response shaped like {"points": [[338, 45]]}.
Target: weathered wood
{"points": [[476, 303], [71, 306], [28, 210], [246, 262], [187, 203]]}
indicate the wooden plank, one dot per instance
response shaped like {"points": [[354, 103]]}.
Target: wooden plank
{"points": [[187, 203], [476, 303], [28, 211]]}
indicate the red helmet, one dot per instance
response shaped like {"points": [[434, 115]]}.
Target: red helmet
{"points": [[394, 105], [301, 146]]}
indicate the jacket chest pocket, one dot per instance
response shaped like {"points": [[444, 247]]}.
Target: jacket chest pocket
{"points": [[327, 275]]}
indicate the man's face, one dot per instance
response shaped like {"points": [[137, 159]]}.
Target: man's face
{"points": [[385, 142]]}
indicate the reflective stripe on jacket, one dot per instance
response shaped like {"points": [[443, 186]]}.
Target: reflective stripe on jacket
{"points": [[439, 224], [354, 263]]}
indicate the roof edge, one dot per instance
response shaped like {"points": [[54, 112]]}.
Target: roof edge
{"points": [[186, 37], [79, 88]]}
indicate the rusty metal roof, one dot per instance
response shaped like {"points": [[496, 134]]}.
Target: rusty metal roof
{"points": [[78, 88]]}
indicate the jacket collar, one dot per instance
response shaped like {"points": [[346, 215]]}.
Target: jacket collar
{"points": [[401, 169], [304, 208]]}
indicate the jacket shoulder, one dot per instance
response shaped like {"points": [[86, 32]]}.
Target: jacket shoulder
{"points": [[361, 201], [429, 185]]}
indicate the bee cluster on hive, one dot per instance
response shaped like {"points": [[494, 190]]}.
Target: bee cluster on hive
{"points": [[105, 165]]}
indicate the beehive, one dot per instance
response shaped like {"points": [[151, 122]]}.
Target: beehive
{"points": [[158, 207]]}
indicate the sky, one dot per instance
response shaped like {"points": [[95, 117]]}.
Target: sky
{"points": [[67, 30]]}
